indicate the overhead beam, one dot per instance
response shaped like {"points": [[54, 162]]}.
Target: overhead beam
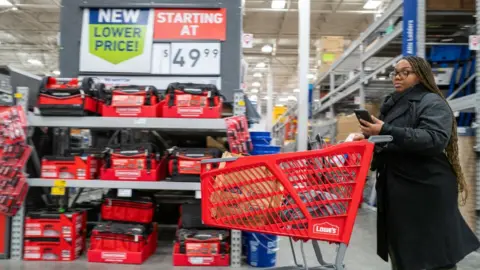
{"points": [[318, 11]]}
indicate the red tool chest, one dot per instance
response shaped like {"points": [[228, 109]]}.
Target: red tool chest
{"points": [[80, 167], [122, 243], [54, 236], [139, 210], [188, 100], [133, 162], [132, 101], [184, 163], [68, 97]]}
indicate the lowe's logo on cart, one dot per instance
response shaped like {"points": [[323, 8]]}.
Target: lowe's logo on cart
{"points": [[326, 228], [117, 35]]}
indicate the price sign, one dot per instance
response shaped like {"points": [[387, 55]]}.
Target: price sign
{"points": [[58, 188], [161, 58], [195, 58], [474, 43]]}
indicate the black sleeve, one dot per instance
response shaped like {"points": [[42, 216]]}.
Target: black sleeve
{"points": [[432, 134]]}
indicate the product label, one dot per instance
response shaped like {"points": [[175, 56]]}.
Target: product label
{"points": [[326, 228], [127, 101], [191, 24]]}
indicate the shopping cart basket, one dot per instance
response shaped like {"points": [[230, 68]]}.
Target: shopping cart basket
{"points": [[312, 195]]}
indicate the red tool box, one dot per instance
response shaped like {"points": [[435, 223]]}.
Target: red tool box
{"points": [[201, 248], [188, 100], [52, 236], [132, 101], [52, 249], [82, 166], [69, 225], [184, 163], [133, 162], [122, 243], [139, 210], [68, 97]]}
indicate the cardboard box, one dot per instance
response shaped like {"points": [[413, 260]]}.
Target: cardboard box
{"points": [[346, 124], [332, 44], [451, 5], [373, 108]]}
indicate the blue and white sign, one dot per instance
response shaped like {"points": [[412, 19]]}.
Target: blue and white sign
{"points": [[410, 21]]}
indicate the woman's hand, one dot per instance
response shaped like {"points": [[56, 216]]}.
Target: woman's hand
{"points": [[370, 129]]}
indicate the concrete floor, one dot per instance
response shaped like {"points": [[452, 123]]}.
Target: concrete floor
{"points": [[360, 255]]}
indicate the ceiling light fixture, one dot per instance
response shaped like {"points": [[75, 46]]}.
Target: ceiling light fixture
{"points": [[14, 9], [372, 4], [253, 98], [292, 98], [311, 76], [265, 97], [267, 49], [283, 99], [257, 75], [261, 65], [278, 4], [256, 84], [296, 90], [5, 3], [56, 72], [254, 90], [316, 100], [35, 62]]}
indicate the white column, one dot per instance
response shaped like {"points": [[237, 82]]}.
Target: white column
{"points": [[303, 62], [270, 98]]}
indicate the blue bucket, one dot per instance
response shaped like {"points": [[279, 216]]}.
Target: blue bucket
{"points": [[272, 149], [261, 250], [260, 137]]}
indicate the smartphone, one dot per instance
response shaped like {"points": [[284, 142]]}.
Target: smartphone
{"points": [[364, 115]]}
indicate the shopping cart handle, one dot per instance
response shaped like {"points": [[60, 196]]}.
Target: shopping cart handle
{"points": [[218, 160], [380, 139]]}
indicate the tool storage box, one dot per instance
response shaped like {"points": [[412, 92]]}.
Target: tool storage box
{"points": [[184, 163], [81, 166], [188, 100], [132, 101], [122, 243], [68, 97], [139, 210], [133, 162]]}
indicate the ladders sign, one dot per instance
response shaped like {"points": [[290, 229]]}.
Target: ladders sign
{"points": [[190, 24]]}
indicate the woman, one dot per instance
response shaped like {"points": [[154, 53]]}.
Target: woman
{"points": [[419, 176]]}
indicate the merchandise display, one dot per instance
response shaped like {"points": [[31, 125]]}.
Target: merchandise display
{"points": [[53, 236], [68, 97], [14, 153], [184, 163], [188, 100], [198, 245], [132, 101], [238, 136]]}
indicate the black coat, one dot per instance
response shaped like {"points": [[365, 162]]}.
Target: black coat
{"points": [[418, 216]]}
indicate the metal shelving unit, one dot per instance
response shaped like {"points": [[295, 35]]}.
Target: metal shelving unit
{"points": [[150, 185], [165, 124]]}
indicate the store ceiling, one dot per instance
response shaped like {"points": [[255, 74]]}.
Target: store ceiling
{"points": [[29, 35]]}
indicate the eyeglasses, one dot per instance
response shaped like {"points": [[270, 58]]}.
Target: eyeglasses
{"points": [[403, 74]]}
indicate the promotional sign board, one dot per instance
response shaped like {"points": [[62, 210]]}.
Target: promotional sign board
{"points": [[116, 40], [191, 24], [410, 21]]}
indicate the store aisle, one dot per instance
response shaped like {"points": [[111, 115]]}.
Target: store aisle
{"points": [[360, 255]]}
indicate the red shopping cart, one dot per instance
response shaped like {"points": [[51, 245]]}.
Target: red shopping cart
{"points": [[312, 195]]}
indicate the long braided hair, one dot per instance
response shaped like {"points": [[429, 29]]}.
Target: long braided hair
{"points": [[424, 72]]}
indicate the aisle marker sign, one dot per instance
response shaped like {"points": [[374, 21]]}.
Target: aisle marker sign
{"points": [[190, 24], [117, 35], [474, 42], [410, 21]]}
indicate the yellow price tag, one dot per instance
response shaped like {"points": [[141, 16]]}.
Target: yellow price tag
{"points": [[241, 103], [59, 191], [60, 183], [18, 95]]}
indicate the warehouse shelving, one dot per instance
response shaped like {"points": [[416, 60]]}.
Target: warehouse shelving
{"points": [[165, 124], [153, 185]]}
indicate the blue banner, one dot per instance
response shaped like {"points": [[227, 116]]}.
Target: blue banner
{"points": [[310, 100], [409, 44]]}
